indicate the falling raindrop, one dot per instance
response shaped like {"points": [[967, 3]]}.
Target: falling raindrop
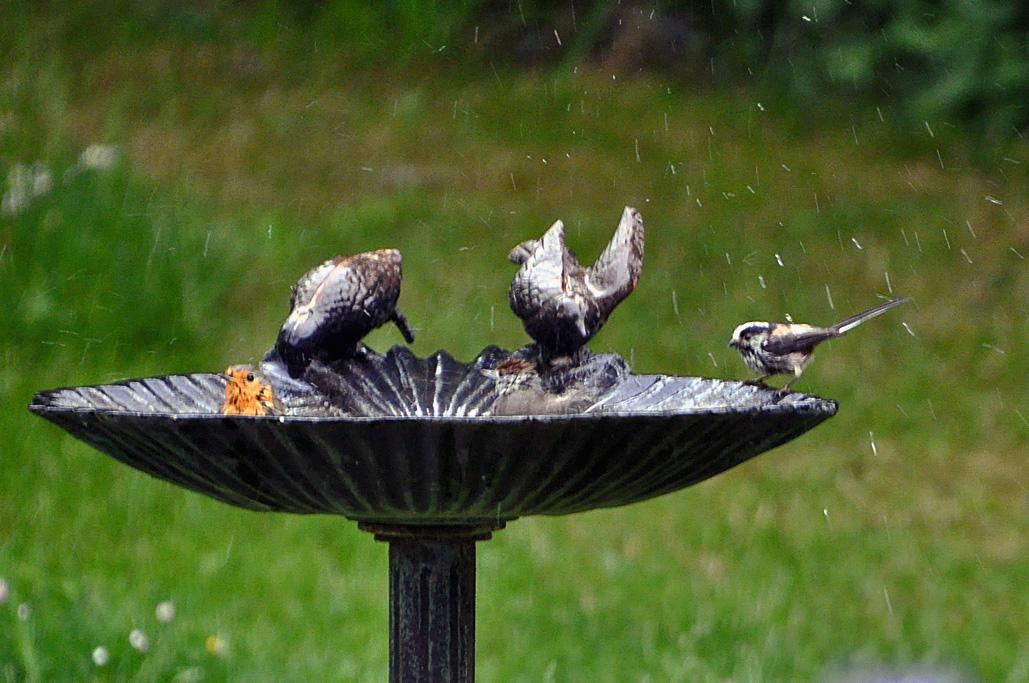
{"points": [[761, 281], [5, 591], [889, 605], [100, 656], [828, 295], [856, 243], [675, 304], [908, 328], [965, 254], [712, 357], [889, 287], [778, 259], [871, 442]]}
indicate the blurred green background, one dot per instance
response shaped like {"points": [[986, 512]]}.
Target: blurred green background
{"points": [[168, 169]]}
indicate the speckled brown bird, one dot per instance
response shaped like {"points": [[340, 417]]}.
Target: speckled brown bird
{"points": [[561, 303], [335, 305], [247, 393]]}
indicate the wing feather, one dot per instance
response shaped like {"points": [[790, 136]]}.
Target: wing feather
{"points": [[782, 344], [616, 272]]}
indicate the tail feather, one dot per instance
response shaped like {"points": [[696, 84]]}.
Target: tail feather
{"points": [[853, 321], [401, 322]]}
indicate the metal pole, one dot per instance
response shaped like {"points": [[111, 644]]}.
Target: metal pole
{"points": [[431, 601]]}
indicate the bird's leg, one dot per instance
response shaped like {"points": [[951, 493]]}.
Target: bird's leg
{"points": [[401, 322], [759, 381], [786, 387]]}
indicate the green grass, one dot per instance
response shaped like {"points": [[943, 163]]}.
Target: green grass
{"points": [[240, 170]]}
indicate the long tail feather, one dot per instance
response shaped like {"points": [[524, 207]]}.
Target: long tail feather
{"points": [[853, 321]]}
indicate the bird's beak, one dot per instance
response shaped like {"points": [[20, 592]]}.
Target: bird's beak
{"points": [[733, 344]]}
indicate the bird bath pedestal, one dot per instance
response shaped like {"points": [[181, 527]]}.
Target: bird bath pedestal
{"points": [[422, 464], [431, 600]]}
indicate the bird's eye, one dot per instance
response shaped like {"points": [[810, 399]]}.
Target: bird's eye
{"points": [[250, 377]]}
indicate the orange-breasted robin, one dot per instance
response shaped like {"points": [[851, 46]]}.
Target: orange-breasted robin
{"points": [[247, 393], [561, 303], [335, 305]]}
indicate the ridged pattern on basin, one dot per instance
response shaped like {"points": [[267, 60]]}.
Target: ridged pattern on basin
{"points": [[402, 384], [647, 436]]}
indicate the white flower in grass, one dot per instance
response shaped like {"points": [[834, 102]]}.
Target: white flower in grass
{"points": [[99, 157], [193, 674], [25, 183], [138, 640], [5, 591], [165, 611], [101, 656], [42, 179]]}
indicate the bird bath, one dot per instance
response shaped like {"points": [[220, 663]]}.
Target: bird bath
{"points": [[432, 455], [432, 472]]}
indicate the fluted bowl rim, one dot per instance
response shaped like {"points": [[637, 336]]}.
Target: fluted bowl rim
{"points": [[443, 469]]}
